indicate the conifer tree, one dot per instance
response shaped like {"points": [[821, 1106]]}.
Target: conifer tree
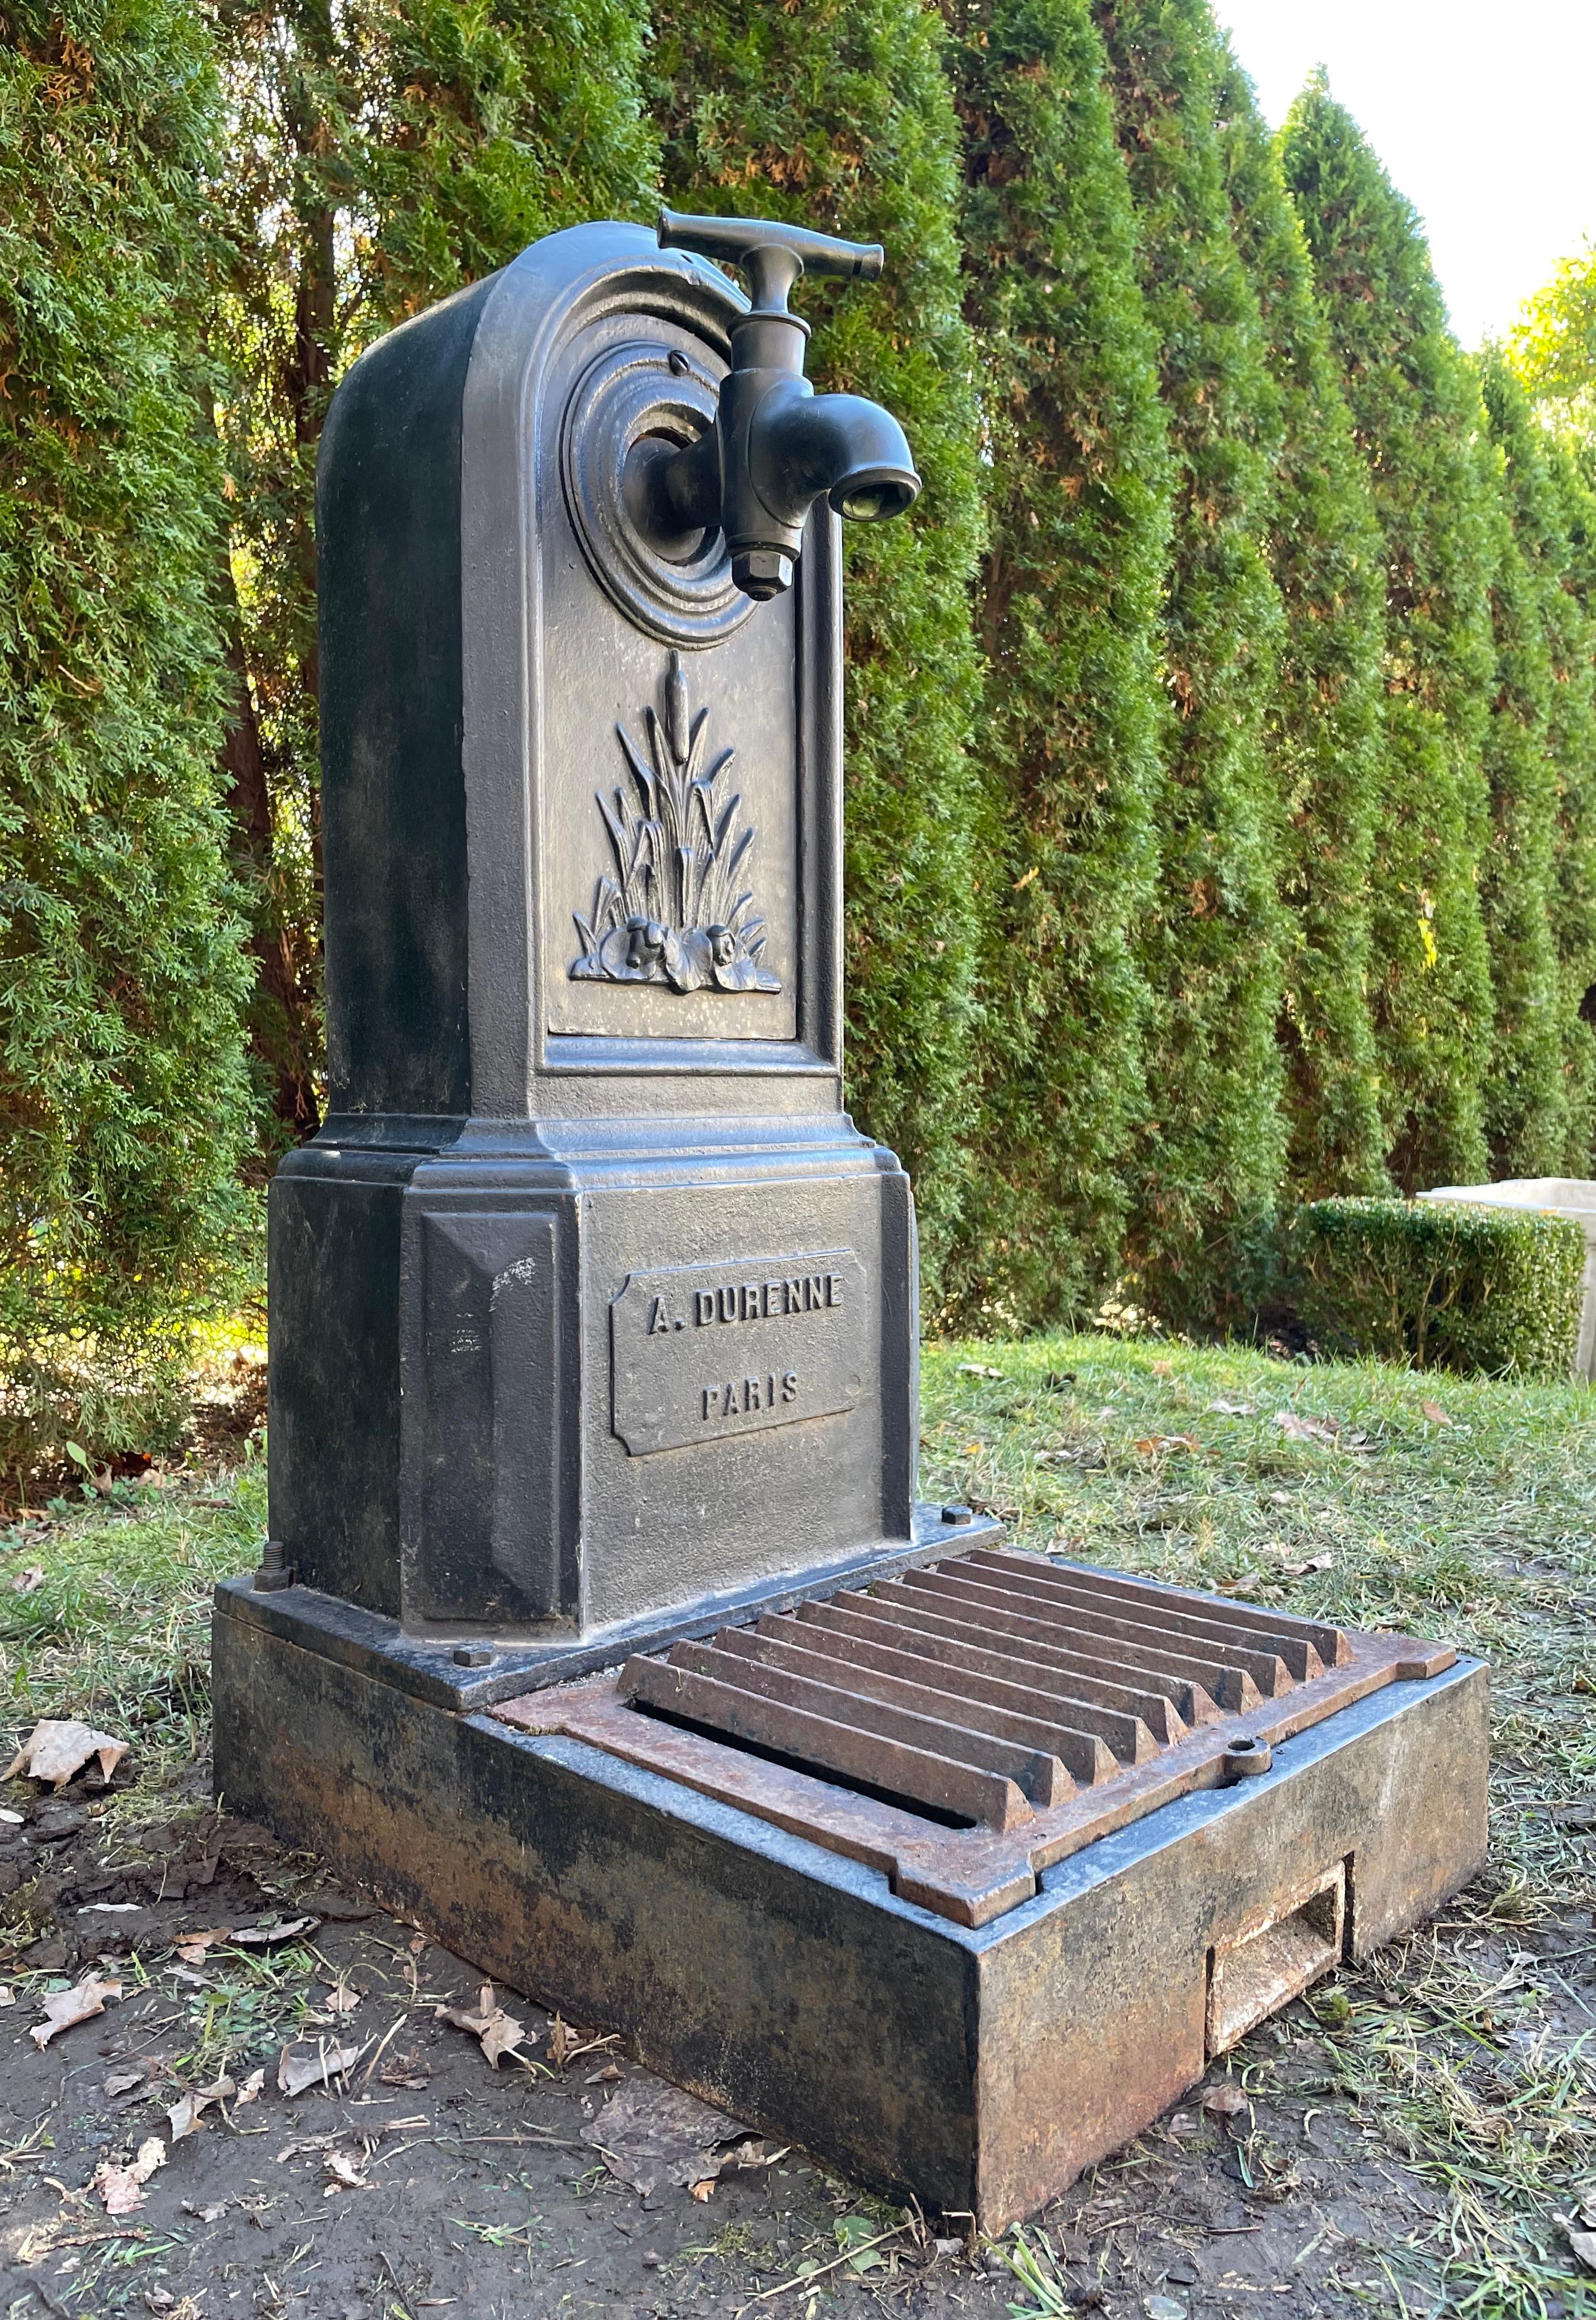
{"points": [[1322, 725], [1212, 1152], [381, 155], [1419, 423], [841, 115], [124, 1102], [1526, 1092], [1068, 611]]}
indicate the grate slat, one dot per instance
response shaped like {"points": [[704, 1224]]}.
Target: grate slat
{"points": [[988, 1686], [1036, 1772]]}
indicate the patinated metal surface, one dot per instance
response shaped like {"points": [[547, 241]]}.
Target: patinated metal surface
{"points": [[980, 2067], [1041, 1704]]}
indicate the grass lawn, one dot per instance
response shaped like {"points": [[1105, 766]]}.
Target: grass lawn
{"points": [[1446, 1507]]}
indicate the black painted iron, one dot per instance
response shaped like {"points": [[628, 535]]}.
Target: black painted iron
{"points": [[594, 1329]]}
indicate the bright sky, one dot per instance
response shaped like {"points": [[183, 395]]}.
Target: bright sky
{"points": [[1480, 110]]}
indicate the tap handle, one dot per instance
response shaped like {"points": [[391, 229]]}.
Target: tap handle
{"points": [[772, 256]]}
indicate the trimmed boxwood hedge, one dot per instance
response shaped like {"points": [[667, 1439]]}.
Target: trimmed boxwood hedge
{"points": [[1444, 1284]]}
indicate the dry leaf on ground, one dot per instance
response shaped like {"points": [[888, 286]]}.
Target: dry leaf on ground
{"points": [[1232, 1410], [68, 2006], [184, 2116], [1434, 1413], [651, 2133], [317, 2069], [250, 2090], [346, 2175], [123, 2082], [499, 2032], [1306, 1429], [979, 1369], [192, 1947], [122, 2187], [1583, 2243], [1224, 2100], [30, 1576], [261, 1937], [7, 1995], [55, 1751]]}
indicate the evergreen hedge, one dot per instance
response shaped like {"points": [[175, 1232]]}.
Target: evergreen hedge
{"points": [[124, 1111], [1322, 725], [1207, 1159], [1068, 612], [1421, 429], [1525, 1088], [840, 113], [1443, 1285]]}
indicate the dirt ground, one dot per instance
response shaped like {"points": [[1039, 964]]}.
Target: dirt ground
{"points": [[423, 2180]]}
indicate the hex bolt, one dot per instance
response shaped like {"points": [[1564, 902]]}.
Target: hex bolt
{"points": [[273, 1570], [474, 1655], [958, 1515]]}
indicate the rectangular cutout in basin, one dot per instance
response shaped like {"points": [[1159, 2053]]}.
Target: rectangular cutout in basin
{"points": [[1257, 1972]]}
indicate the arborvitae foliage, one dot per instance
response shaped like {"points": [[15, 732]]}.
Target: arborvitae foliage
{"points": [[1526, 1112], [840, 115], [1554, 349], [1322, 724], [1213, 1146], [1416, 410], [380, 156], [124, 1102], [1068, 612]]}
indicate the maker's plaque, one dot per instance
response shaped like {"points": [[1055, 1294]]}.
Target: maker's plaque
{"points": [[701, 1351]]}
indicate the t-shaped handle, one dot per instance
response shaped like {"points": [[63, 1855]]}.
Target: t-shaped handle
{"points": [[772, 256]]}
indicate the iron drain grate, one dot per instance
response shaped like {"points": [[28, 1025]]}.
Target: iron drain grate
{"points": [[988, 1688], [964, 1725]]}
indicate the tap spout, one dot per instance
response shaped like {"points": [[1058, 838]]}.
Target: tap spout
{"points": [[802, 447]]}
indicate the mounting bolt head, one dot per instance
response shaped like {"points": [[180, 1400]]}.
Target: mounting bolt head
{"points": [[274, 1570], [474, 1655], [958, 1515], [762, 573]]}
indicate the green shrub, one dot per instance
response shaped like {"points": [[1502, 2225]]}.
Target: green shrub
{"points": [[1444, 1284], [1208, 1159], [1068, 611], [1323, 727], [1415, 408], [124, 1107]]}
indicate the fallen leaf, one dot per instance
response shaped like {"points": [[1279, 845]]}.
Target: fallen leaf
{"points": [[499, 2032], [54, 1751], [346, 2175], [184, 2116], [123, 2082], [306, 2142], [1313, 1563], [261, 1937], [1306, 1429], [1224, 2100], [1434, 1413], [7, 1995], [342, 2000], [1162, 1369], [122, 2187], [966, 1369], [68, 2006], [31, 1576], [192, 1947], [207, 2214], [250, 2090], [607, 2077], [1232, 1410], [12, 1819], [650, 2134], [317, 2069]]}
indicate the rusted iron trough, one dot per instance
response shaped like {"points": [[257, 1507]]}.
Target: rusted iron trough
{"points": [[958, 1879]]}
